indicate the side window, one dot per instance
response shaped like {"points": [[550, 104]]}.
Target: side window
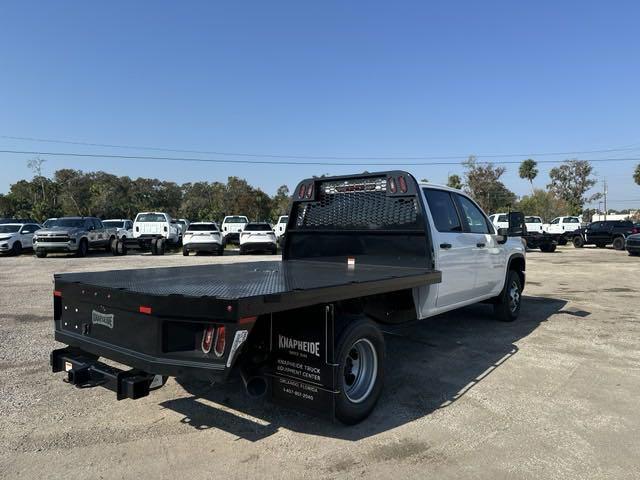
{"points": [[98, 224], [443, 210], [88, 225], [475, 218], [502, 218], [571, 220], [555, 221], [596, 225], [128, 225]]}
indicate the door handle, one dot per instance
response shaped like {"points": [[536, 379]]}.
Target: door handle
{"points": [[446, 246], [480, 245]]}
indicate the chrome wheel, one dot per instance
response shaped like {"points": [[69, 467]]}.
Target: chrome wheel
{"points": [[360, 370], [514, 296]]}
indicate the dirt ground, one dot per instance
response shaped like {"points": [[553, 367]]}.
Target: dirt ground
{"points": [[554, 395]]}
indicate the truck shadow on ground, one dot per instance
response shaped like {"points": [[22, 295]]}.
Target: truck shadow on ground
{"points": [[429, 365]]}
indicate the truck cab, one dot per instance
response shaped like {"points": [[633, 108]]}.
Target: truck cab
{"points": [[469, 250]]}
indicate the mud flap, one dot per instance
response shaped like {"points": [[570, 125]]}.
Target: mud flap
{"points": [[302, 370]]}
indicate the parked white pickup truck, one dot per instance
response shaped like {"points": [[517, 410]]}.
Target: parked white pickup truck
{"points": [[534, 224], [562, 228]]}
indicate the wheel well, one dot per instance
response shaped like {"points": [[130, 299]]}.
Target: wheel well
{"points": [[518, 264]]}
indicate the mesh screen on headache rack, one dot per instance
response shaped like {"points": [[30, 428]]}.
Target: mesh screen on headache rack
{"points": [[357, 204]]}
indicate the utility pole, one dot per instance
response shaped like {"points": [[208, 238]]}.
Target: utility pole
{"points": [[605, 199]]}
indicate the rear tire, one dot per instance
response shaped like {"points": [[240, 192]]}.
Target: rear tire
{"points": [[507, 306], [185, 252], [41, 253], [220, 251], [578, 242], [242, 252], [360, 359], [160, 246], [634, 254], [618, 243]]}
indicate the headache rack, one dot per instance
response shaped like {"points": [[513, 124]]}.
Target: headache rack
{"points": [[373, 218]]}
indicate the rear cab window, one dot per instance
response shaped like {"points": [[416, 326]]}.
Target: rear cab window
{"points": [[443, 210], [203, 227], [258, 227]]}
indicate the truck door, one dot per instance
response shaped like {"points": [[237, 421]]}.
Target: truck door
{"points": [[488, 254], [453, 248]]}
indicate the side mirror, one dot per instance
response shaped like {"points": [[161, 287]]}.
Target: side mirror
{"points": [[516, 224], [503, 234]]}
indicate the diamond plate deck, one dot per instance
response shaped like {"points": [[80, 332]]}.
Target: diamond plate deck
{"points": [[252, 279]]}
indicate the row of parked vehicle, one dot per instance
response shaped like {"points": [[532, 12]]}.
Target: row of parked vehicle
{"points": [[620, 234], [154, 231]]}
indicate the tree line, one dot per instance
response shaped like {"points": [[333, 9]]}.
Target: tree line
{"points": [[77, 193], [565, 194], [74, 192]]}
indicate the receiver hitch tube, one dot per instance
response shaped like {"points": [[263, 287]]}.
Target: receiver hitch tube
{"points": [[84, 371]]}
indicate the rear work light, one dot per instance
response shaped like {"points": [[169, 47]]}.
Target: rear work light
{"points": [[302, 191], [207, 339], [392, 185], [310, 190], [402, 183], [218, 349]]}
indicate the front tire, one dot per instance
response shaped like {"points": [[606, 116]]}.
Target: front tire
{"points": [[41, 253], [618, 243], [360, 359], [83, 248], [16, 249], [185, 252], [507, 306]]}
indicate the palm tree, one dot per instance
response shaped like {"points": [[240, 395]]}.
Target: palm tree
{"points": [[528, 170]]}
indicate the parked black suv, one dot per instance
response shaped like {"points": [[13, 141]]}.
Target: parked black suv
{"points": [[601, 234]]}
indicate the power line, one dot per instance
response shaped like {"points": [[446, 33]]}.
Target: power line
{"points": [[630, 147], [287, 162]]}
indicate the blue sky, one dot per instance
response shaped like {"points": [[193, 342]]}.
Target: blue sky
{"points": [[321, 78]]}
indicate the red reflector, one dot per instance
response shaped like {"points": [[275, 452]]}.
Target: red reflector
{"points": [[392, 185], [207, 339], [310, 190], [303, 188], [245, 320], [218, 349], [57, 293], [403, 184], [146, 310]]}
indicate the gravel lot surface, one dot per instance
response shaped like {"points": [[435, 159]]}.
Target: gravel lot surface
{"points": [[554, 395]]}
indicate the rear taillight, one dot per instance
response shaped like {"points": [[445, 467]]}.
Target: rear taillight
{"points": [[57, 293], [144, 309], [392, 185], [402, 183], [207, 339], [220, 342]]}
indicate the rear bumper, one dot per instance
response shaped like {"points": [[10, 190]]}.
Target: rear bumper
{"points": [[258, 246], [157, 365], [202, 246]]}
